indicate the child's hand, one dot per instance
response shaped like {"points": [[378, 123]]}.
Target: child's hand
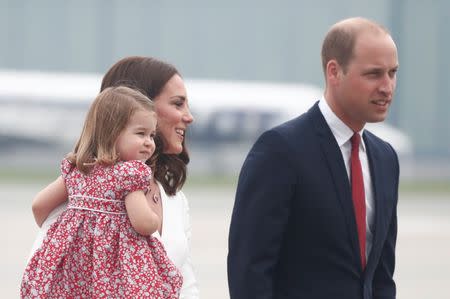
{"points": [[154, 201], [142, 217]]}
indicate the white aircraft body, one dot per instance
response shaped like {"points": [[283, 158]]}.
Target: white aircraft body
{"points": [[41, 115]]}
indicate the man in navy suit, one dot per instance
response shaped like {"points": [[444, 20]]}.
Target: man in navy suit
{"points": [[315, 215]]}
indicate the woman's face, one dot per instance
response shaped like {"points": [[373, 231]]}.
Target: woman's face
{"points": [[172, 110]]}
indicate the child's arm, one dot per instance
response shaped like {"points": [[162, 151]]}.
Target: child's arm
{"points": [[48, 199], [143, 219]]}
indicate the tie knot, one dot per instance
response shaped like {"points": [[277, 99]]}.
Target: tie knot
{"points": [[355, 140]]}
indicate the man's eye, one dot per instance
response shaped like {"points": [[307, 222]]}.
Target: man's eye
{"points": [[373, 74]]}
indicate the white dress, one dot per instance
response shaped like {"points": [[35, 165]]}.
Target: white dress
{"points": [[175, 236]]}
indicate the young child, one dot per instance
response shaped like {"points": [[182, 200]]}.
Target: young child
{"points": [[101, 246]]}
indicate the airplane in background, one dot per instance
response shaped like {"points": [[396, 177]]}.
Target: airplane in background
{"points": [[41, 117]]}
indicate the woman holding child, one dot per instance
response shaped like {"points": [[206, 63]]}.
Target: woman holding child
{"points": [[162, 83]]}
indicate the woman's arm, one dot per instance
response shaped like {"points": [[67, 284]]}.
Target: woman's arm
{"points": [[143, 219], [48, 199]]}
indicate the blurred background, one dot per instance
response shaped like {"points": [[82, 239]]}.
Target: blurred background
{"points": [[248, 65]]}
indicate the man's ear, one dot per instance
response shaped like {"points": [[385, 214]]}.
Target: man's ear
{"points": [[333, 71]]}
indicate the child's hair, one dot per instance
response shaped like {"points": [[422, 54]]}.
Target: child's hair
{"points": [[107, 117]]}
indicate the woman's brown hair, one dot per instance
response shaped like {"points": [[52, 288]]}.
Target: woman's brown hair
{"points": [[107, 117], [150, 75]]}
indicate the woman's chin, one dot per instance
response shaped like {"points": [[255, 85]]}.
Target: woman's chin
{"points": [[174, 150]]}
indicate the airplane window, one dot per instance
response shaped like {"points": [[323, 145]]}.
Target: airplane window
{"points": [[227, 123], [227, 126]]}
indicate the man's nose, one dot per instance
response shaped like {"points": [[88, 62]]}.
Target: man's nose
{"points": [[387, 86]]}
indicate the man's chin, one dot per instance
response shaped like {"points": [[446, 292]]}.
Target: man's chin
{"points": [[377, 118]]}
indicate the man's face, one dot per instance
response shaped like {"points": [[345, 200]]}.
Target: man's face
{"points": [[364, 91]]}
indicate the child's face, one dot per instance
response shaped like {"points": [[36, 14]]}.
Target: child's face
{"points": [[135, 142]]}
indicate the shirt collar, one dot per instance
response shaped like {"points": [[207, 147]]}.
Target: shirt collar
{"points": [[340, 130]]}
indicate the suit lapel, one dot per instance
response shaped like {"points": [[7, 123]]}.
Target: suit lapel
{"points": [[375, 174], [335, 162]]}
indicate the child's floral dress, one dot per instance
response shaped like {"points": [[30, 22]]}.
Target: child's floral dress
{"points": [[92, 251]]}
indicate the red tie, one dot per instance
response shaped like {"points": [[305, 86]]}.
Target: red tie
{"points": [[359, 202]]}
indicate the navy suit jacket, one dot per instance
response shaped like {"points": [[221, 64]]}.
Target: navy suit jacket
{"points": [[293, 230]]}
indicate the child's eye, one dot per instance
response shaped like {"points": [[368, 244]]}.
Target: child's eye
{"points": [[141, 133]]}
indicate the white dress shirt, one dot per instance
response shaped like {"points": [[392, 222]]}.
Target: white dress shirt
{"points": [[342, 133]]}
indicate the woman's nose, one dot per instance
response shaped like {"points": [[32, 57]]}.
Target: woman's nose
{"points": [[188, 117]]}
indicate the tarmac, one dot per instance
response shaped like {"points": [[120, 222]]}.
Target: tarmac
{"points": [[423, 245]]}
